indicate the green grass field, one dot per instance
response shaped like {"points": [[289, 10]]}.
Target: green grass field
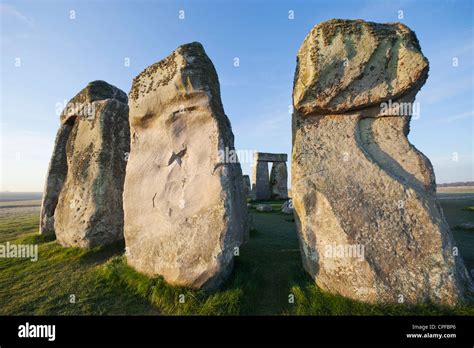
{"points": [[71, 281]]}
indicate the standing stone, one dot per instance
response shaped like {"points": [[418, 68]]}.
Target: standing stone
{"points": [[260, 181], [369, 224], [55, 180], [185, 211], [279, 181], [247, 187], [82, 201]]}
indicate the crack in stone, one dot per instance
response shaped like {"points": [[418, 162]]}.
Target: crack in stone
{"points": [[177, 157]]}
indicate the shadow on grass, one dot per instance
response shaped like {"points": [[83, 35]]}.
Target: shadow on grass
{"points": [[102, 254], [91, 256]]}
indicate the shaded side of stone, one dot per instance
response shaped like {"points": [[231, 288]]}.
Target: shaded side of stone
{"points": [[279, 181], [82, 200], [260, 181], [55, 178], [90, 211]]}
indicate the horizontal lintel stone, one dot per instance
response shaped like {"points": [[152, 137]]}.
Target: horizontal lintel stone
{"points": [[270, 157]]}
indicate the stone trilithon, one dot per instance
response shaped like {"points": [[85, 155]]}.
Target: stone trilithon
{"points": [[274, 186]]}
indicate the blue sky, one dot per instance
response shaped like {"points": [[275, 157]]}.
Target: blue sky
{"points": [[58, 56]]}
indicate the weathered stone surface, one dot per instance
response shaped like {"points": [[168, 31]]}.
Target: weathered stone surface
{"points": [[82, 202], [369, 224], [247, 187], [260, 180], [279, 181], [185, 211], [264, 207], [345, 65]]}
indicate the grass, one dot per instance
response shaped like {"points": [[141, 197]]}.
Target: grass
{"points": [[18, 225], [269, 265], [276, 204], [45, 287], [168, 299], [310, 300], [457, 213], [267, 272]]}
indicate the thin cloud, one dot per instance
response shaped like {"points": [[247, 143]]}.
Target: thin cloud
{"points": [[466, 48], [445, 90], [9, 11], [457, 117]]}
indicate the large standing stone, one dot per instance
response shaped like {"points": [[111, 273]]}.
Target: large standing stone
{"points": [[82, 201], [369, 224], [185, 211], [260, 181], [279, 181]]}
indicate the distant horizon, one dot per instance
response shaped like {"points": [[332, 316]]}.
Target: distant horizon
{"points": [[470, 183]]}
